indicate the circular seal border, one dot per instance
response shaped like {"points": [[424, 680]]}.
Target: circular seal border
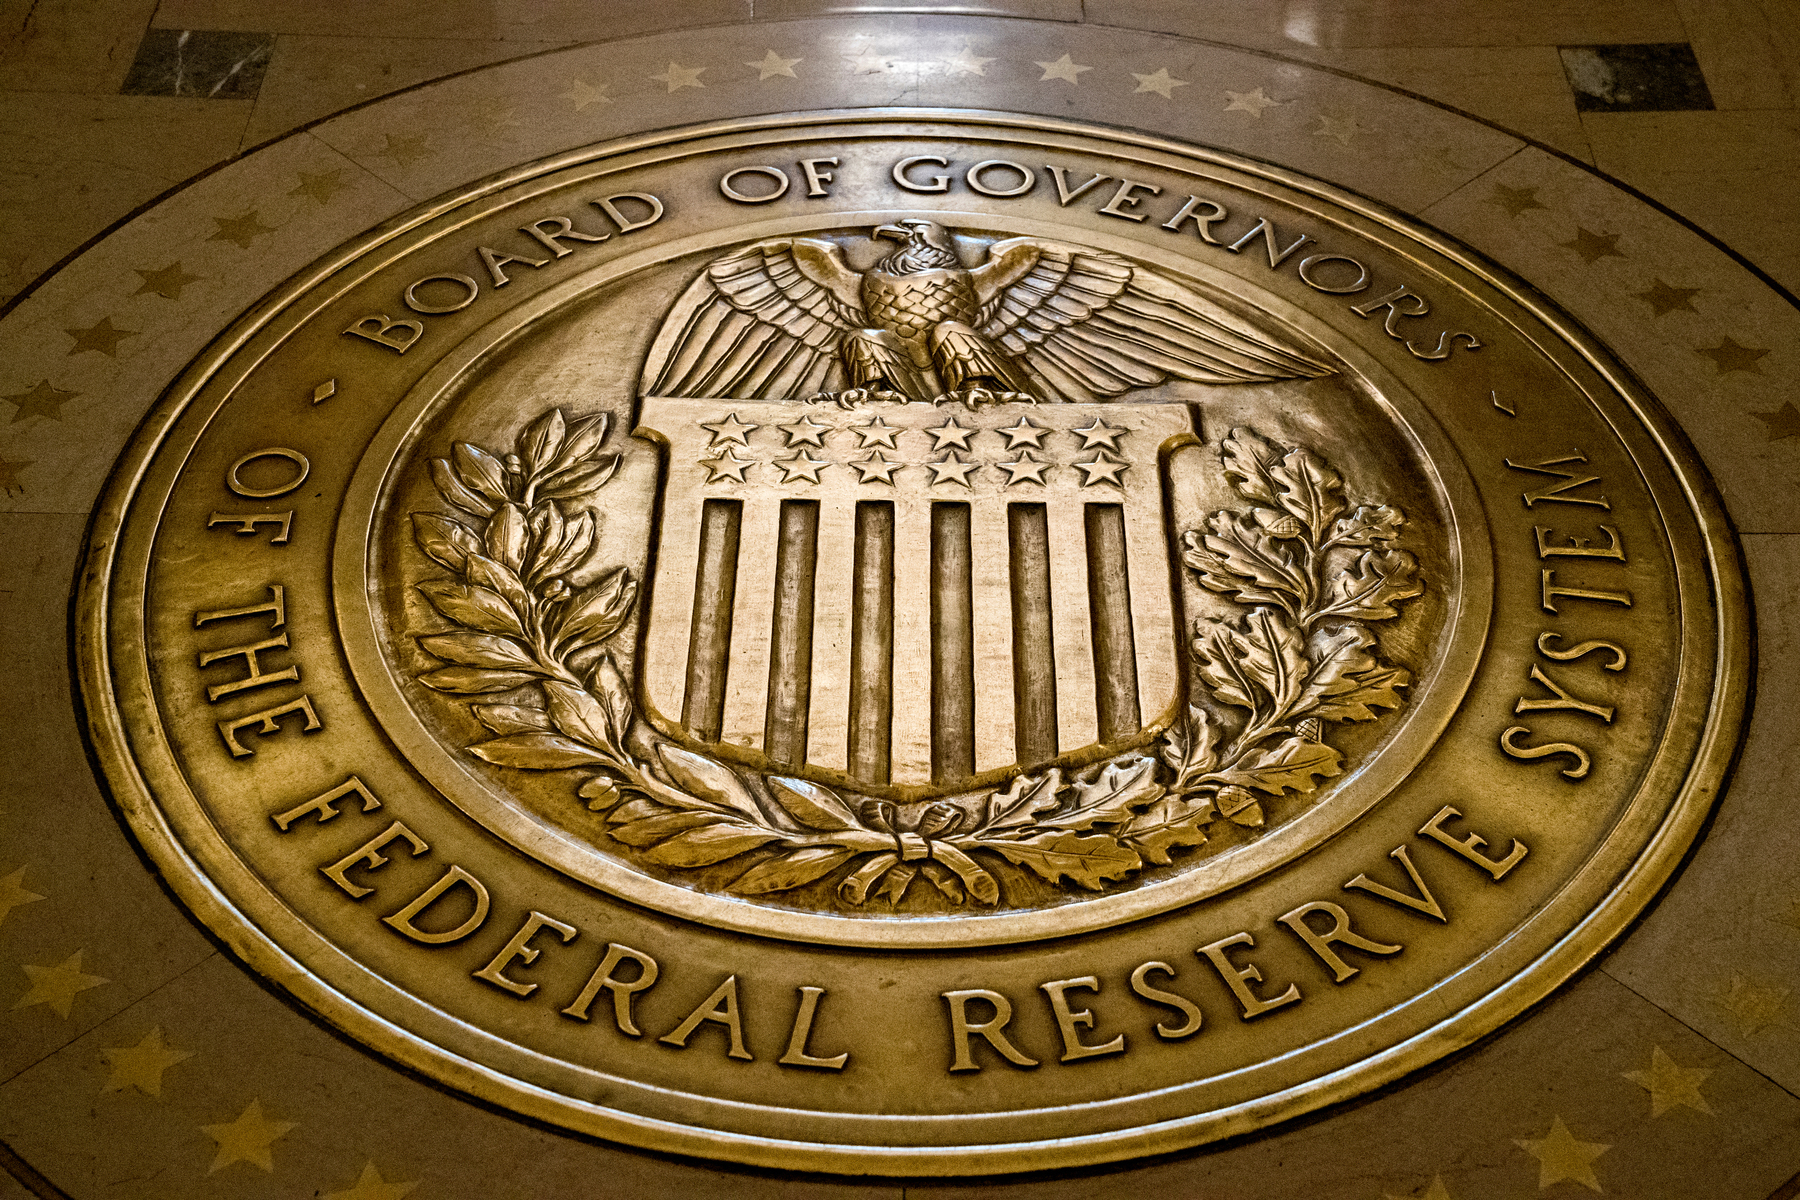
{"points": [[1612, 887]]}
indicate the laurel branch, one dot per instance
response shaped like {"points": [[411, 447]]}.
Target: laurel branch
{"points": [[528, 628]]}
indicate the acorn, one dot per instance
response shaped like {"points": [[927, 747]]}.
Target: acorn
{"points": [[1278, 524], [1232, 799], [1311, 730]]}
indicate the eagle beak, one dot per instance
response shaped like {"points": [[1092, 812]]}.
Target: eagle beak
{"points": [[898, 232]]}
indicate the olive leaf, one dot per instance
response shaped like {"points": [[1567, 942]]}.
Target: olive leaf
{"points": [[512, 718], [448, 542], [476, 607], [537, 752], [480, 472], [704, 845], [796, 868], [480, 650], [474, 680], [457, 493], [542, 441], [711, 783], [811, 805]]}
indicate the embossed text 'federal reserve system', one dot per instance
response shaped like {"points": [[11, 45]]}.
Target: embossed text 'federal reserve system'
{"points": [[929, 643]]}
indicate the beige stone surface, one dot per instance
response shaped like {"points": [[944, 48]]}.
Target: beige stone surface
{"points": [[1521, 88], [76, 164], [477, 20], [1707, 981], [1722, 951], [1403, 23], [80, 46], [312, 76]]}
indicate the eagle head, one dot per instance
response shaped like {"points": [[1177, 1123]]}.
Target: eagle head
{"points": [[927, 246]]}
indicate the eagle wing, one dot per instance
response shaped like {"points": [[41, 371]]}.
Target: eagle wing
{"points": [[764, 320], [1091, 324]]}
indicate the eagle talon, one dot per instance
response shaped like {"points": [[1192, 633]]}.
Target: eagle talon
{"points": [[975, 396], [851, 397]]}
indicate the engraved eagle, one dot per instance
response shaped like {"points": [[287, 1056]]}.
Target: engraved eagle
{"points": [[1037, 320]]}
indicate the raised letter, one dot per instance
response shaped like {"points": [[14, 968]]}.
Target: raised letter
{"points": [[1551, 593], [470, 290], [796, 1055], [623, 990], [276, 608], [1310, 266], [939, 183], [1127, 197], [1070, 1022], [721, 1008], [1577, 547], [1340, 931], [1027, 178], [782, 183], [1203, 223], [266, 719], [1239, 979], [1391, 302], [1424, 902], [387, 333], [519, 947], [1563, 699], [247, 523], [493, 260], [610, 207], [369, 855], [1065, 193], [1470, 847], [302, 465], [1580, 648], [991, 1029], [1276, 257], [1509, 743], [1140, 983], [402, 921], [552, 239], [321, 803], [815, 178], [1554, 491], [255, 677]]}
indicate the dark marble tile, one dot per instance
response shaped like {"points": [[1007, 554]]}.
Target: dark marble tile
{"points": [[204, 64], [1661, 77]]}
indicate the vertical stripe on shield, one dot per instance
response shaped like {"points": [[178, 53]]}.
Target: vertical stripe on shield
{"points": [[1109, 597], [790, 639], [1034, 653], [872, 643], [952, 644], [709, 646]]}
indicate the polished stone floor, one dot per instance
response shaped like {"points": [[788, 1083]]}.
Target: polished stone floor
{"points": [[137, 1061]]}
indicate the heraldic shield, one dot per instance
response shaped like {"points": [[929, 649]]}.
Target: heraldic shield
{"points": [[908, 536], [906, 596]]}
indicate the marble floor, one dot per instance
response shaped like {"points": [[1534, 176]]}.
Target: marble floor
{"points": [[1636, 159]]}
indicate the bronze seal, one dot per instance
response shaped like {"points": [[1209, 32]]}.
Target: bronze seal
{"points": [[911, 645]]}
